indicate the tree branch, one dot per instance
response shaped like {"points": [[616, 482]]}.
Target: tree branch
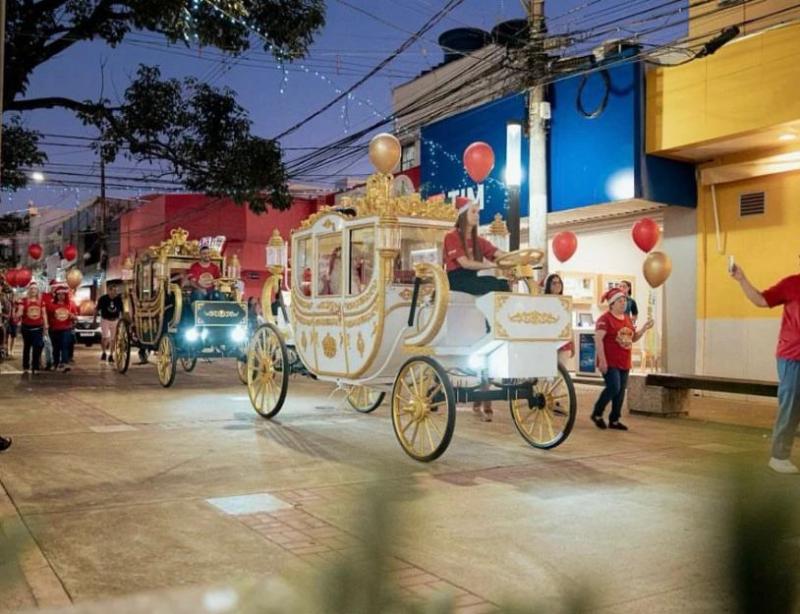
{"points": [[83, 30], [52, 102]]}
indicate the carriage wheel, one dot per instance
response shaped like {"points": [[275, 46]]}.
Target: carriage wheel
{"points": [[421, 392], [189, 364], [364, 399], [122, 346], [241, 370], [267, 371], [166, 365], [545, 420]]}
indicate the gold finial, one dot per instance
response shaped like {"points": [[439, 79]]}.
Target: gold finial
{"points": [[498, 226], [276, 240]]}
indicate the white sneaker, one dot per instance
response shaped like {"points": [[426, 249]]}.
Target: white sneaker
{"points": [[783, 466]]}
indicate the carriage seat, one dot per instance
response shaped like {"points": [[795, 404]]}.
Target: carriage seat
{"points": [[465, 323]]}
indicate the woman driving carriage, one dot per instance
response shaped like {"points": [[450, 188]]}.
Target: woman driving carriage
{"points": [[465, 253]]}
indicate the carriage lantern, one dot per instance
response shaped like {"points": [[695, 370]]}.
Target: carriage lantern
{"points": [[498, 233], [234, 269], [277, 252]]}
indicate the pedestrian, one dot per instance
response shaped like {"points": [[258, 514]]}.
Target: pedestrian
{"points": [[5, 443], [109, 307], [615, 335], [61, 314], [33, 317], [785, 293], [553, 284], [631, 308], [12, 325]]}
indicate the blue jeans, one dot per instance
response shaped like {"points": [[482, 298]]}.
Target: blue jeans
{"points": [[616, 383], [788, 408], [60, 346], [32, 345]]}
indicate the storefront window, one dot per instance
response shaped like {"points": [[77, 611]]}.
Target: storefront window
{"points": [[417, 245], [329, 265], [362, 259], [303, 267]]}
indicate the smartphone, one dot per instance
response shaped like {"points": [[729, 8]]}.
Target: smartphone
{"points": [[731, 264]]}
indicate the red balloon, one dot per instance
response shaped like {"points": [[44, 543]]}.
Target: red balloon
{"points": [[478, 161], [35, 251], [23, 277], [564, 245], [646, 234], [11, 277], [70, 253]]}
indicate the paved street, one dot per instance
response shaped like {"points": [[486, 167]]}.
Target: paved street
{"points": [[123, 487]]}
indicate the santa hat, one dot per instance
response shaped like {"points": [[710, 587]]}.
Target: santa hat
{"points": [[463, 203], [612, 295], [60, 288]]}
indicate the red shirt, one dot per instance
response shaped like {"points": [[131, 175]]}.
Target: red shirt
{"points": [[453, 249], [32, 312], [204, 275], [787, 293], [59, 315], [618, 340]]}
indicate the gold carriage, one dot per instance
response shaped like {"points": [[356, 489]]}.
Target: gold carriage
{"points": [[372, 311], [160, 316]]}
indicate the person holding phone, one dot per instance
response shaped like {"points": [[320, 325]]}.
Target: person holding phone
{"points": [[614, 337], [785, 293]]}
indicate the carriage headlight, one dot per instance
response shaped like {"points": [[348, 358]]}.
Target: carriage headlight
{"points": [[238, 334], [192, 334]]}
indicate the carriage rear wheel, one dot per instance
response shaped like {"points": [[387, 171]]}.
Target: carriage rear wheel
{"points": [[364, 399], [267, 371], [166, 365], [122, 346], [241, 370], [545, 420], [423, 408], [189, 364]]}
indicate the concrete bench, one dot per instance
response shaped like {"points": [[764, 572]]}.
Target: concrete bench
{"points": [[667, 394]]}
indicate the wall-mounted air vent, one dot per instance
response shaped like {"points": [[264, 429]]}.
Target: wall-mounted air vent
{"points": [[752, 203]]}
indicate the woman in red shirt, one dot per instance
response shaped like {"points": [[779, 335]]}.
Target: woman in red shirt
{"points": [[554, 285], [33, 317], [61, 314], [614, 336], [465, 253]]}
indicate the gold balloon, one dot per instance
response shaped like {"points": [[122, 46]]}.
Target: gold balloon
{"points": [[384, 152], [74, 278], [657, 268]]}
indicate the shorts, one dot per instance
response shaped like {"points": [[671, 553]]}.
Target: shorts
{"points": [[12, 330], [108, 328]]}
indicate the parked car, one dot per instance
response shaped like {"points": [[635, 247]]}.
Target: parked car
{"points": [[87, 332]]}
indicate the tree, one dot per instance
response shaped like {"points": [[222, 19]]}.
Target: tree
{"points": [[200, 131]]}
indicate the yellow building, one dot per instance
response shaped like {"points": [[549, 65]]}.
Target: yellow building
{"points": [[736, 114]]}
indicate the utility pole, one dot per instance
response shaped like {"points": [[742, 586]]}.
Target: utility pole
{"points": [[103, 213], [2, 69], [538, 114]]}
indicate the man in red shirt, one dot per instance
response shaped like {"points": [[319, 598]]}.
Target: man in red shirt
{"points": [[202, 275], [615, 334], [786, 293]]}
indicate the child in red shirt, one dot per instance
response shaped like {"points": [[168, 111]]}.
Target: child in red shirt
{"points": [[61, 314], [614, 336], [33, 316]]}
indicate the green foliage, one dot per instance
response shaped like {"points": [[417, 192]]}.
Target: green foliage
{"points": [[219, 155], [20, 150]]}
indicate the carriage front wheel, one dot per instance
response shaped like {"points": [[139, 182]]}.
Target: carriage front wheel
{"points": [[267, 371], [423, 409], [364, 399], [546, 415], [122, 346], [166, 365], [189, 363]]}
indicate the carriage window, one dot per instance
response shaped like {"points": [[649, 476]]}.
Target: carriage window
{"points": [[303, 267], [145, 280], [418, 245], [362, 259], [329, 265]]}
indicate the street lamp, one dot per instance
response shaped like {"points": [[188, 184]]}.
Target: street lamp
{"points": [[513, 177]]}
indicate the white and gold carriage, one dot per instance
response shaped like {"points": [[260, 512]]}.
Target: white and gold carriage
{"points": [[159, 315], [372, 310]]}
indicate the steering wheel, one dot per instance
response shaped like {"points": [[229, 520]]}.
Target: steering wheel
{"points": [[520, 257]]}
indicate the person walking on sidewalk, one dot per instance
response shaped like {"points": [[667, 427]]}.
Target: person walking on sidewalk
{"points": [[786, 293], [61, 314], [33, 316], [109, 306], [615, 335]]}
